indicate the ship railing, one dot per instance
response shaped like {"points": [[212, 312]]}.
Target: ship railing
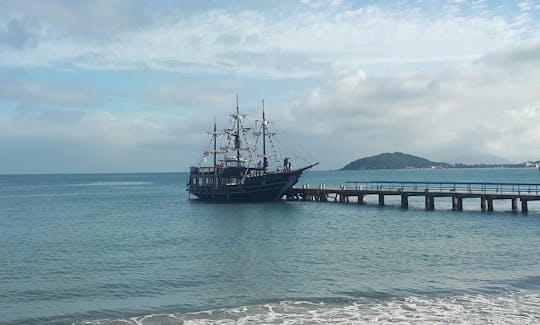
{"points": [[467, 187]]}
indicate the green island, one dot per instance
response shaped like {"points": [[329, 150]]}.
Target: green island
{"points": [[399, 160]]}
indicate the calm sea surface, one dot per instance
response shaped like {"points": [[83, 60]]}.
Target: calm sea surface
{"points": [[134, 249]]}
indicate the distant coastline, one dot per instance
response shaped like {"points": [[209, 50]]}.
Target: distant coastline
{"points": [[399, 160]]}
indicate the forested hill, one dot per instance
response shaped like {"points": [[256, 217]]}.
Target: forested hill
{"points": [[396, 160]]}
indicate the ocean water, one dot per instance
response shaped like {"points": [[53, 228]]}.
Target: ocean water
{"points": [[134, 249]]}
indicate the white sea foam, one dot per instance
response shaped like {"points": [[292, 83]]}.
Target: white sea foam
{"points": [[110, 184], [52, 186], [513, 308]]}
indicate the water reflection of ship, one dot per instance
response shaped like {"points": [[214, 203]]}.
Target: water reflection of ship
{"points": [[233, 176]]}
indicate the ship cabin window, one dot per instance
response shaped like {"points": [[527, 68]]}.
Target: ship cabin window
{"points": [[234, 163], [203, 180], [254, 173], [232, 181], [206, 170]]}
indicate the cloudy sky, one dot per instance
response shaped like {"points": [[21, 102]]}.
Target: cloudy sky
{"points": [[123, 86]]}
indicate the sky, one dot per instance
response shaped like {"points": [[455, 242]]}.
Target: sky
{"points": [[133, 86]]}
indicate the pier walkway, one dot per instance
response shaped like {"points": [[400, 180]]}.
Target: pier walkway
{"points": [[457, 191]]}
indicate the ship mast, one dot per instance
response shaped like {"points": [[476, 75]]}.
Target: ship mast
{"points": [[237, 134], [265, 160], [215, 146]]}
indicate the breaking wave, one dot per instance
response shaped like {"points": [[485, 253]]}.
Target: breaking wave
{"points": [[514, 308], [110, 184]]}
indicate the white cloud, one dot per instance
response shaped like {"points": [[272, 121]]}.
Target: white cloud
{"points": [[98, 19], [17, 35], [343, 80], [254, 42], [68, 94], [490, 107], [97, 141], [525, 6]]}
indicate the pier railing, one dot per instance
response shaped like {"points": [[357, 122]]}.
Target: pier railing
{"points": [[468, 187]]}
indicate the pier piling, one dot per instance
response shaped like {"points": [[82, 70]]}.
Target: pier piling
{"points": [[514, 205], [457, 203], [381, 199], [483, 204], [404, 201], [524, 206], [489, 204], [430, 202]]}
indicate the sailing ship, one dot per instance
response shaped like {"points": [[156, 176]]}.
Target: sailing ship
{"points": [[234, 176]]}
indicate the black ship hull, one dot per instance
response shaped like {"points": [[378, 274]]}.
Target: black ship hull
{"points": [[265, 188]]}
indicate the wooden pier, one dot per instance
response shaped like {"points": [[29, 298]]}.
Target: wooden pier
{"points": [[457, 191]]}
